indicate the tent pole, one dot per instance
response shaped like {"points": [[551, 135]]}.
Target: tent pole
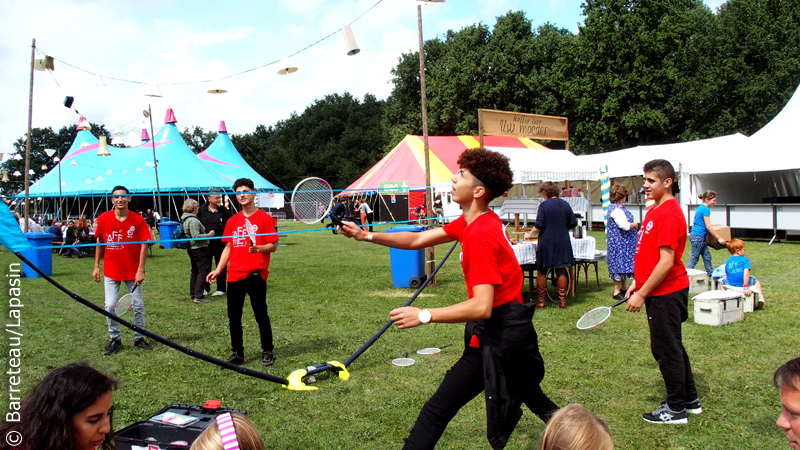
{"points": [[430, 262]]}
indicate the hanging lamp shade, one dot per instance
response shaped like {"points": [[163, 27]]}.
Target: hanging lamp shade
{"points": [[73, 163], [117, 140], [84, 144], [218, 87], [108, 171], [132, 138], [5, 176], [31, 172], [56, 159], [103, 149], [350, 43], [151, 90], [45, 63], [44, 166], [83, 124], [17, 173], [286, 66], [17, 157], [49, 152]]}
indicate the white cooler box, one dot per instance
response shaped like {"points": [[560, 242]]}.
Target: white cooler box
{"points": [[718, 307], [698, 281]]}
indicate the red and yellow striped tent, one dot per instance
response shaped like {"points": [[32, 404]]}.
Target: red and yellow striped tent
{"points": [[406, 162]]}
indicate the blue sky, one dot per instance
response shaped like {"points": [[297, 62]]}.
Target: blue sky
{"points": [[171, 41]]}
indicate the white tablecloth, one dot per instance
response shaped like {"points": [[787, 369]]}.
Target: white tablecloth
{"points": [[581, 249]]}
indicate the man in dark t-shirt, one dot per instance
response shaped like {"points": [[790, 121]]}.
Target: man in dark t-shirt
{"points": [[213, 215]]}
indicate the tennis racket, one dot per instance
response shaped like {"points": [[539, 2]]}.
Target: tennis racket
{"points": [[312, 198], [405, 361], [125, 302], [432, 350], [251, 230], [597, 316]]}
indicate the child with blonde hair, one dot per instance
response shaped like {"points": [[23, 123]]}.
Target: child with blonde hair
{"points": [[574, 427], [229, 431]]}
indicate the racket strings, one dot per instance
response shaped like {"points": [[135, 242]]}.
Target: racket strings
{"points": [[594, 317], [311, 199]]}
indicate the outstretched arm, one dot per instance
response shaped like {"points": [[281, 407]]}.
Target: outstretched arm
{"points": [[402, 240]]}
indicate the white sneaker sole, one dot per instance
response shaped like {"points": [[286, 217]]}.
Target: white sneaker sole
{"points": [[669, 422]]}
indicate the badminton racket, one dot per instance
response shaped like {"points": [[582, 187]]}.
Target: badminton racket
{"points": [[125, 302], [251, 230], [312, 199], [337, 221], [597, 316], [404, 361], [432, 350]]}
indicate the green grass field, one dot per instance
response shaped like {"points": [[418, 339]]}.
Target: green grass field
{"points": [[327, 295]]}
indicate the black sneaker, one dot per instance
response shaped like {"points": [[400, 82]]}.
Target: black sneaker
{"points": [[665, 415], [112, 347], [236, 358], [142, 344], [267, 359], [692, 407], [202, 299]]}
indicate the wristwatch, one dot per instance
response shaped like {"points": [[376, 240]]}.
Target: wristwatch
{"points": [[424, 316]]}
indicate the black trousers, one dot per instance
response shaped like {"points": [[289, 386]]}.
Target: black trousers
{"points": [[256, 288], [665, 313], [201, 266], [215, 247], [463, 382]]}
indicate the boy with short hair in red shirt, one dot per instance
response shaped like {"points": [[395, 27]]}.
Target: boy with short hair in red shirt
{"points": [[501, 355], [123, 263], [662, 285], [249, 240]]}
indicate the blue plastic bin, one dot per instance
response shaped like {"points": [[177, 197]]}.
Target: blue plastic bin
{"points": [[166, 229], [408, 266], [40, 257]]}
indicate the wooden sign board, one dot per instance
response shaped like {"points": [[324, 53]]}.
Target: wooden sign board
{"points": [[532, 126]]}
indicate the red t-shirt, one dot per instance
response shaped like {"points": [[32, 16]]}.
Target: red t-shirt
{"points": [[241, 262], [121, 261], [488, 257], [662, 226]]}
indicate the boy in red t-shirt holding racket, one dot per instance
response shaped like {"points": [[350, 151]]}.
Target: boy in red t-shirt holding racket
{"points": [[123, 263], [501, 356], [249, 239], [661, 284]]}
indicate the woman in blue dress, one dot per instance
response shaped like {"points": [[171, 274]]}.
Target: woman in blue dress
{"points": [[621, 236], [554, 219], [700, 228]]}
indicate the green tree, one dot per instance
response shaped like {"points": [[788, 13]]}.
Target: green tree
{"points": [[198, 139], [749, 60], [337, 139], [625, 71]]}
